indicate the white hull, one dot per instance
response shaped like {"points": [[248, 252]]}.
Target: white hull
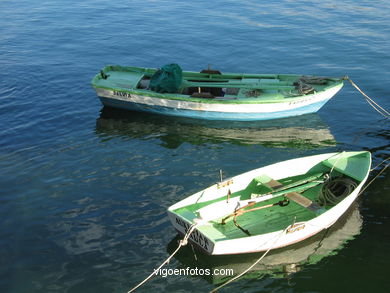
{"points": [[294, 233], [177, 106]]}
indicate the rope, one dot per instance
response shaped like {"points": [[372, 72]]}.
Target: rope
{"points": [[182, 242], [370, 101], [372, 169], [191, 229], [283, 232], [377, 175], [334, 165], [327, 193], [334, 190], [255, 263]]}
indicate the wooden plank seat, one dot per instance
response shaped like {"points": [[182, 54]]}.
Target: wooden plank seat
{"points": [[297, 197]]}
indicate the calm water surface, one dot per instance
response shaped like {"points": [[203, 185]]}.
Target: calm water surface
{"points": [[84, 190]]}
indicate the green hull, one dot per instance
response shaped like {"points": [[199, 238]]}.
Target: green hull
{"points": [[212, 96], [237, 87]]}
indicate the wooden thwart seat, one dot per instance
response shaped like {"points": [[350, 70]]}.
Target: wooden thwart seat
{"points": [[294, 196]]}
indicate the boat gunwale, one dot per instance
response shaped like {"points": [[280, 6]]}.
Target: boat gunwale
{"points": [[336, 83], [227, 100], [339, 209]]}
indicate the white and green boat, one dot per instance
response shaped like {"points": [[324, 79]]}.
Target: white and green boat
{"points": [[273, 206], [278, 263], [211, 94]]}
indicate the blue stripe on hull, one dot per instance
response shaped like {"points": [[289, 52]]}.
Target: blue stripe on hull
{"points": [[210, 115]]}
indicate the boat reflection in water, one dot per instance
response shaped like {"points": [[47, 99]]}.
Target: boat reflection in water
{"points": [[278, 263], [306, 131]]}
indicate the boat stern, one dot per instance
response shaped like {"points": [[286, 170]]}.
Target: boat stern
{"points": [[182, 225]]}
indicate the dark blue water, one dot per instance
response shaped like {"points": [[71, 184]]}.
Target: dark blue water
{"points": [[84, 190]]}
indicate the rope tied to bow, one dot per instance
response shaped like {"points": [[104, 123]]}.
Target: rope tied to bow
{"points": [[182, 242], [370, 101]]}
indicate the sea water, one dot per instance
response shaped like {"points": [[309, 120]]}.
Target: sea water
{"points": [[84, 190]]}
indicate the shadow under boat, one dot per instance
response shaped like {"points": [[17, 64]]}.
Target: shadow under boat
{"points": [[278, 263], [306, 131]]}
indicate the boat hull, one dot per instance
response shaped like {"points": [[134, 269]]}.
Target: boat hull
{"points": [[293, 233], [215, 110], [281, 261]]}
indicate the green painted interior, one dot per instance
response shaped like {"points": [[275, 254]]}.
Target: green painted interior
{"points": [[252, 88], [352, 166], [276, 218]]}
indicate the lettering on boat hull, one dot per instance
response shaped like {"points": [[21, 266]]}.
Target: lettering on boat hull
{"points": [[195, 236], [300, 101], [121, 94], [170, 104]]}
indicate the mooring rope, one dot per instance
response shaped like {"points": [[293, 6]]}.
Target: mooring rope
{"points": [[372, 169], [191, 229], [284, 231], [182, 243], [370, 101], [377, 175], [256, 262]]}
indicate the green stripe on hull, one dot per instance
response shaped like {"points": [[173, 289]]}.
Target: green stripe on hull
{"points": [[275, 88]]}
